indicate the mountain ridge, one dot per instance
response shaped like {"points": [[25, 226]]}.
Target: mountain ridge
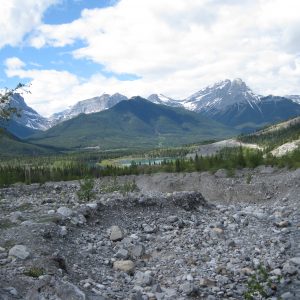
{"points": [[136, 123], [230, 102]]}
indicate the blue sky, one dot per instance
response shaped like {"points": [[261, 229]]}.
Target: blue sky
{"points": [[70, 50], [64, 11]]}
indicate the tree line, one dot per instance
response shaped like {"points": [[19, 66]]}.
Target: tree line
{"points": [[229, 159]]}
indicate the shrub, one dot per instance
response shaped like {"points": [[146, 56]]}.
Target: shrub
{"points": [[86, 192], [259, 284], [34, 272], [124, 189], [249, 178]]}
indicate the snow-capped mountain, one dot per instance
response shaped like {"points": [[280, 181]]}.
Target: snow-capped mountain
{"points": [[162, 99], [295, 98], [230, 102], [221, 95], [87, 106], [234, 104], [28, 117]]}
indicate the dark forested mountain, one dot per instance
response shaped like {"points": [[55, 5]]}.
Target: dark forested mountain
{"points": [[275, 135], [295, 98], [136, 123], [10, 145], [248, 118]]}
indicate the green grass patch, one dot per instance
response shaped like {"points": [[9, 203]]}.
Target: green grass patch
{"points": [[34, 272]]}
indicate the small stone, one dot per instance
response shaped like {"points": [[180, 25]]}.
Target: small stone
{"points": [[231, 244], [143, 279], [124, 266], [92, 205], [295, 261], [16, 217], [282, 224], [287, 296], [148, 229], [157, 289], [19, 251], [116, 234], [206, 282], [63, 231], [218, 230], [65, 211], [276, 272], [11, 290], [122, 253], [67, 290], [246, 271], [189, 289], [78, 220], [172, 219], [137, 251], [189, 277], [289, 269]]}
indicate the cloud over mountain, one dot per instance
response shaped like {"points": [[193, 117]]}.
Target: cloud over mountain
{"points": [[174, 46]]}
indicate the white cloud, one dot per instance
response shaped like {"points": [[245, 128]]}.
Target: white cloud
{"points": [[179, 46], [14, 63], [19, 17], [174, 46]]}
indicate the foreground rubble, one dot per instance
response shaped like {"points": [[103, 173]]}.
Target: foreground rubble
{"points": [[150, 244]]}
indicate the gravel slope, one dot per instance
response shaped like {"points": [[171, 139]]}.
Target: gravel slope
{"points": [[166, 241]]}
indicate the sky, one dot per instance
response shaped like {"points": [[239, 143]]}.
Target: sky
{"points": [[70, 50]]}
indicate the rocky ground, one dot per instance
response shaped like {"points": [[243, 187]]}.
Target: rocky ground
{"points": [[181, 236]]}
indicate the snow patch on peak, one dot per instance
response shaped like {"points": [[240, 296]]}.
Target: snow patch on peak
{"points": [[162, 99], [87, 106], [221, 95]]}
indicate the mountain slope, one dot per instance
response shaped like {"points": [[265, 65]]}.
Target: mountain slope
{"points": [[12, 146], [27, 121], [136, 123], [28, 116], [19, 130], [270, 110], [87, 106], [295, 98], [275, 135]]}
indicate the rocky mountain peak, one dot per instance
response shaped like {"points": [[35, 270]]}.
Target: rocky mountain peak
{"points": [[28, 116], [221, 95], [162, 99], [88, 106]]}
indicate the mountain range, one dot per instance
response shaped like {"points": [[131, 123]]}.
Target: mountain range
{"points": [[134, 123], [88, 106], [229, 105]]}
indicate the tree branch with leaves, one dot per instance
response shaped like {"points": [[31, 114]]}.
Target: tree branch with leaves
{"points": [[7, 111]]}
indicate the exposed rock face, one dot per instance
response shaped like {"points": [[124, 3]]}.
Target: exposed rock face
{"points": [[174, 245]]}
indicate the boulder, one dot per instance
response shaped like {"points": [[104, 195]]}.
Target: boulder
{"points": [[19, 251], [116, 234], [124, 266]]}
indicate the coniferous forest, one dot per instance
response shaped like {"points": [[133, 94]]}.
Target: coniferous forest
{"points": [[75, 166]]}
